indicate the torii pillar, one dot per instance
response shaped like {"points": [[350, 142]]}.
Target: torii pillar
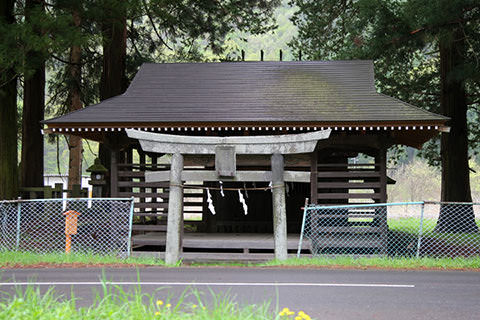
{"points": [[175, 201], [279, 208]]}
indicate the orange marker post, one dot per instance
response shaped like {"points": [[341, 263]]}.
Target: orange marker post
{"points": [[71, 221]]}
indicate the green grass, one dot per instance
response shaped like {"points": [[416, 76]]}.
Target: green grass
{"points": [[115, 303], [411, 226], [9, 259], [380, 262]]}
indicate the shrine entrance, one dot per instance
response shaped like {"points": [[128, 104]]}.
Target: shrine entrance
{"points": [[224, 151]]}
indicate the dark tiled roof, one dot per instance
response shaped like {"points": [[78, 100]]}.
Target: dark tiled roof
{"points": [[243, 92]]}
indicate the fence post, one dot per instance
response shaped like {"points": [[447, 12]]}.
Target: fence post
{"points": [[420, 230], [300, 242], [19, 210], [130, 221]]}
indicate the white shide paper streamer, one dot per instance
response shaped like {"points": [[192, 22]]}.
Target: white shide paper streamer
{"points": [[210, 202], [242, 201]]}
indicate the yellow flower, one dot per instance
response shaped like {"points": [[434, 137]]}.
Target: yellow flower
{"points": [[168, 305], [285, 310], [282, 313], [307, 317], [290, 313], [298, 318], [159, 302], [194, 306], [301, 313], [157, 313]]}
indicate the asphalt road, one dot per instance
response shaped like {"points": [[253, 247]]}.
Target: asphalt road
{"points": [[324, 294]]}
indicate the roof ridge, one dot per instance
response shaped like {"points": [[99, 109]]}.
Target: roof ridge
{"points": [[260, 62]]}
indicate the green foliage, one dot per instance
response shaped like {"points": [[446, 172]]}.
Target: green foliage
{"points": [[56, 155], [402, 38], [56, 33], [113, 302]]}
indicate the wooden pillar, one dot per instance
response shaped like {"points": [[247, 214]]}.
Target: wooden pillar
{"points": [[382, 160], [142, 160], [314, 177], [175, 204], [154, 159], [113, 173], [279, 209]]}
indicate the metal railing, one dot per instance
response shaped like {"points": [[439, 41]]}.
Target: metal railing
{"points": [[88, 225], [411, 229]]}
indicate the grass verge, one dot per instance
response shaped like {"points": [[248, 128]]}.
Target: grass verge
{"points": [[24, 259], [381, 262], [14, 258]]}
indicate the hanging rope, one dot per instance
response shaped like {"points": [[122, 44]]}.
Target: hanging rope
{"points": [[189, 186]]}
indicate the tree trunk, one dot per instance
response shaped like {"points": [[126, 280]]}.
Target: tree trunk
{"points": [[454, 145], [113, 82], [75, 143], [33, 111], [8, 121]]}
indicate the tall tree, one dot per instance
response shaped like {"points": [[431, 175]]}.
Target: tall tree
{"points": [[113, 79], [114, 35], [425, 52], [8, 115], [75, 102], [33, 102], [454, 146]]}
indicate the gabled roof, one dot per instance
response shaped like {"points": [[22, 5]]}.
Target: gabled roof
{"points": [[320, 93]]}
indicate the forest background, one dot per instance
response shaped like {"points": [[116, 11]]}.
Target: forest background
{"points": [[417, 177]]}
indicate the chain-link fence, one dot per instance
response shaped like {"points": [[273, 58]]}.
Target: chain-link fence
{"points": [[414, 229], [92, 225]]}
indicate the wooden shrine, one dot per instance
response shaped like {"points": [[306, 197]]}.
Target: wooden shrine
{"points": [[205, 108]]}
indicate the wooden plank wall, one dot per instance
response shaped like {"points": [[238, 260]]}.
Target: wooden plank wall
{"points": [[151, 199], [348, 183], [339, 182]]}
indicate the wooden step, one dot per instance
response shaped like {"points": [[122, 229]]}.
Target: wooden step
{"points": [[149, 227], [321, 229], [149, 214]]}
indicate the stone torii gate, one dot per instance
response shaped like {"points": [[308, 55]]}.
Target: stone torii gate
{"points": [[225, 150]]}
